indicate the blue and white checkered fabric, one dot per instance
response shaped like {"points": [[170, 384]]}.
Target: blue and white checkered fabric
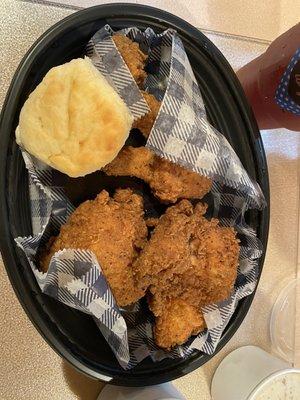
{"points": [[182, 134], [282, 97]]}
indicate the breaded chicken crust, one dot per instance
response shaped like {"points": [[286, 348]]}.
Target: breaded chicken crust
{"points": [[115, 230], [176, 323], [146, 122], [135, 60], [189, 258], [168, 181], [133, 57]]}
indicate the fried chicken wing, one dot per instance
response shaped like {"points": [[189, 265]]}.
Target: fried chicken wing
{"points": [[176, 323], [133, 57], [145, 123], [168, 181], [115, 230], [189, 258]]}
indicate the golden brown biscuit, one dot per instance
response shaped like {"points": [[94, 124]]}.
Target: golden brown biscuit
{"points": [[74, 120]]}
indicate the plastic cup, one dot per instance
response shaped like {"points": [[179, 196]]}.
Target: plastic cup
{"points": [[283, 321], [158, 392], [261, 77], [283, 385], [245, 370]]}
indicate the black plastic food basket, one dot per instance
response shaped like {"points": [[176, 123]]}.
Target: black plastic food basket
{"points": [[71, 333]]}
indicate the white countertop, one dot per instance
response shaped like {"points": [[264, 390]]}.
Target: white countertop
{"points": [[29, 368]]}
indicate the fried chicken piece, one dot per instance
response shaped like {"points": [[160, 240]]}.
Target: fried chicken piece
{"points": [[188, 257], [168, 252], [145, 123], [176, 323], [114, 229], [134, 58], [168, 181], [152, 222]]}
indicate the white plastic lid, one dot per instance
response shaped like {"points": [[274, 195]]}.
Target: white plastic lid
{"points": [[283, 321]]}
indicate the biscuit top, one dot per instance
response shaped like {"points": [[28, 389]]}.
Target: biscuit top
{"points": [[74, 120]]}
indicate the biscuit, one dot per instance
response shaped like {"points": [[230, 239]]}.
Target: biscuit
{"points": [[74, 120]]}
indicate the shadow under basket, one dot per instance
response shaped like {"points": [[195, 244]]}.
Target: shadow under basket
{"points": [[71, 333]]}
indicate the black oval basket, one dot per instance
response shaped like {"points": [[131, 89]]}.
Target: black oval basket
{"points": [[71, 333]]}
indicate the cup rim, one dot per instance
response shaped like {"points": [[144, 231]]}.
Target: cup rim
{"points": [[267, 379], [284, 292]]}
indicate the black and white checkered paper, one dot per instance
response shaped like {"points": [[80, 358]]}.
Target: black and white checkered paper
{"points": [[107, 59], [182, 134]]}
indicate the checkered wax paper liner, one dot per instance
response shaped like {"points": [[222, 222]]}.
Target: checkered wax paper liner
{"points": [[107, 59], [181, 132], [75, 277], [229, 207], [282, 96]]}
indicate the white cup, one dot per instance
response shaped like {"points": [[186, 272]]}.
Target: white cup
{"points": [[165, 391], [282, 385], [244, 373]]}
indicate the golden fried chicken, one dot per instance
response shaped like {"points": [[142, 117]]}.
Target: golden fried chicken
{"points": [[135, 60], [152, 222], [189, 258], [133, 57], [115, 230], [176, 323], [168, 251], [168, 181], [145, 123]]}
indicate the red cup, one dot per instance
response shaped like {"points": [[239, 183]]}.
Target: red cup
{"points": [[261, 78]]}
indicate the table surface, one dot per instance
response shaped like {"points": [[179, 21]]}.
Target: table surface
{"points": [[29, 368]]}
